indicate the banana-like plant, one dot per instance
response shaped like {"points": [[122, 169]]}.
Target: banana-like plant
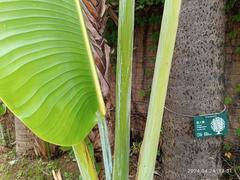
{"points": [[49, 81], [47, 72], [159, 89]]}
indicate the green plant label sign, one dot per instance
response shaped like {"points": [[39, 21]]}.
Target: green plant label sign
{"points": [[211, 125]]}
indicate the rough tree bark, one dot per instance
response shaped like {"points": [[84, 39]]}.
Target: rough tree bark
{"points": [[24, 140], [95, 17], [196, 87]]}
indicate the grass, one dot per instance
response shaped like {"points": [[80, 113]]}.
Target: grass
{"points": [[40, 169], [15, 168]]}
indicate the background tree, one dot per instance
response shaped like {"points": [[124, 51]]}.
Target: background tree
{"points": [[196, 87], [24, 139]]}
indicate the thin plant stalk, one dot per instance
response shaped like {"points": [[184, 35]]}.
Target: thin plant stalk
{"points": [[123, 89], [84, 161], [165, 51], [106, 148]]}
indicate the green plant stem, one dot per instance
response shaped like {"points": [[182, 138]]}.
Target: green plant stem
{"points": [[3, 109], [106, 148], [149, 147], [84, 161], [123, 89]]}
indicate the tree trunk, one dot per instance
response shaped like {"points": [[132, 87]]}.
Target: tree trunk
{"points": [[24, 140], [95, 17], [196, 87]]}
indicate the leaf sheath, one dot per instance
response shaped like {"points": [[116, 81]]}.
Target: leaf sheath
{"points": [[123, 89], [165, 51]]}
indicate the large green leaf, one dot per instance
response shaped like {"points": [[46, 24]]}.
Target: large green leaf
{"points": [[47, 73]]}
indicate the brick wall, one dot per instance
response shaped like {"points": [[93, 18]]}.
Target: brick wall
{"points": [[232, 77]]}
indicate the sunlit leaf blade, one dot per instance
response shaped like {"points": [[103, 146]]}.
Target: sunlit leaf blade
{"points": [[167, 40], [47, 72]]}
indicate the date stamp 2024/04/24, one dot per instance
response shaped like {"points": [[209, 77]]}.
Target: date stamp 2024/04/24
{"points": [[208, 171]]}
